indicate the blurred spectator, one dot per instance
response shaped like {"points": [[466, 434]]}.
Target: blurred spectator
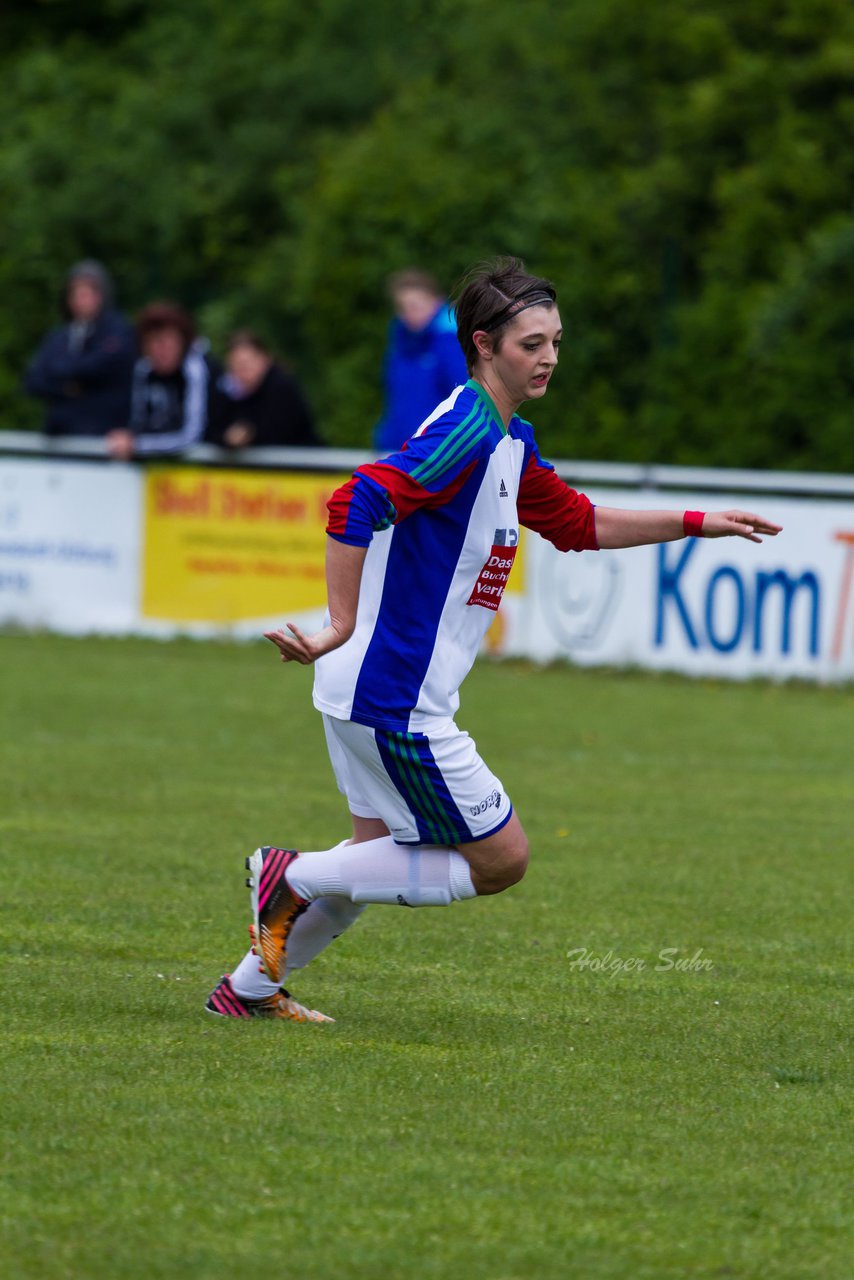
{"points": [[423, 360], [172, 384], [256, 402], [83, 369]]}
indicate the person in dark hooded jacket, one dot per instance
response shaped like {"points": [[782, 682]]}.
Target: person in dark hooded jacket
{"points": [[83, 369]]}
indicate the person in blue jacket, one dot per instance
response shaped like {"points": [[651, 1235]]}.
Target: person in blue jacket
{"points": [[423, 360], [83, 370]]}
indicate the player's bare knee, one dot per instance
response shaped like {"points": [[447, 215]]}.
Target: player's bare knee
{"points": [[518, 863], [505, 871]]}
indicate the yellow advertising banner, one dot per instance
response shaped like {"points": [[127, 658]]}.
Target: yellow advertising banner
{"points": [[225, 546]]}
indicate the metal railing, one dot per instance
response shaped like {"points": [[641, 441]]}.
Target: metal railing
{"points": [[627, 475]]}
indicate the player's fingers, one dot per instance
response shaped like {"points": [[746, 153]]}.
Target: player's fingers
{"points": [[739, 525], [303, 658], [735, 524], [283, 643], [299, 649], [296, 647], [291, 655], [302, 646], [758, 523], [729, 527]]}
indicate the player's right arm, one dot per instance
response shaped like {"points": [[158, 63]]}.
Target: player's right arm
{"points": [[427, 473], [377, 496], [344, 565]]}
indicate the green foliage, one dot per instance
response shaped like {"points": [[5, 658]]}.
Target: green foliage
{"points": [[683, 171]]}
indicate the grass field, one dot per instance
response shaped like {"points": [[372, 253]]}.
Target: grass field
{"points": [[488, 1106]]}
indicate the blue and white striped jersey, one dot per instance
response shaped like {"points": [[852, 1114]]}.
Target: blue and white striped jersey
{"points": [[441, 521]]}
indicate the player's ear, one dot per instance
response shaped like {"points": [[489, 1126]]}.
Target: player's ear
{"points": [[483, 343]]}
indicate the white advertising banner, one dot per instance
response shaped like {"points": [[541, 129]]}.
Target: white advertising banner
{"points": [[722, 607], [86, 547], [69, 545]]}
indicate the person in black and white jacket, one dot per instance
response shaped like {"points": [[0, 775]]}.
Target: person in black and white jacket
{"points": [[172, 384]]}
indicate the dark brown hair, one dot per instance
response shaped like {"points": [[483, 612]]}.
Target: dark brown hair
{"points": [[491, 295], [165, 315]]}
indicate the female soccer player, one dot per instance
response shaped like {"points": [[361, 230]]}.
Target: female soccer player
{"points": [[420, 546]]}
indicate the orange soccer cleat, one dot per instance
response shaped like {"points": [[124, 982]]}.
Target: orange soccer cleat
{"points": [[275, 907]]}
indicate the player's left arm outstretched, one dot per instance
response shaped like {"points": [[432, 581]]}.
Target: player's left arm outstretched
{"points": [[618, 527], [572, 523]]}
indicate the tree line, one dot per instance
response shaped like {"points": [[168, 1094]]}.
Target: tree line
{"points": [[681, 170]]}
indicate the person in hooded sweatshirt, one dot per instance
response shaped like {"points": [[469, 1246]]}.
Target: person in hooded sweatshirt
{"points": [[423, 360], [83, 369]]}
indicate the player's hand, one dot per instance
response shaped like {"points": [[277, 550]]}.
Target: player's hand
{"points": [[738, 524], [295, 646]]}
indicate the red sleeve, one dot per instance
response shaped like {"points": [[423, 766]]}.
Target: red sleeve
{"points": [[551, 508]]}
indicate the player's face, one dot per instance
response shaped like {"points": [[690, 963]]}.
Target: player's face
{"points": [[527, 354]]}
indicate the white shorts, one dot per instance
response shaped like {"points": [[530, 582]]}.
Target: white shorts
{"points": [[427, 788]]}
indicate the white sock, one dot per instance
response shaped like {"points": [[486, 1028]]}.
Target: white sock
{"points": [[249, 983], [424, 875], [323, 922]]}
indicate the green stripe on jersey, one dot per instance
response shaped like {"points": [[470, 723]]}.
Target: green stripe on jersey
{"points": [[489, 402], [472, 429]]}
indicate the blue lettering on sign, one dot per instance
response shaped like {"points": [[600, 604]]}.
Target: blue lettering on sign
{"points": [[748, 597], [788, 585], [725, 573], [668, 590]]}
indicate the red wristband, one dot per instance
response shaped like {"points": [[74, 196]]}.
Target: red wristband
{"points": [[692, 524]]}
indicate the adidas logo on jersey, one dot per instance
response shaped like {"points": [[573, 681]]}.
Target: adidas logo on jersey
{"points": [[502, 491]]}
